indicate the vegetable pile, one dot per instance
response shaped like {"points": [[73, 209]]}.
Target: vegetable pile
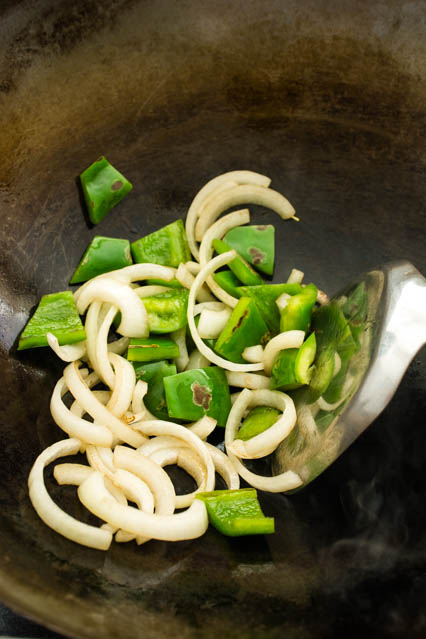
{"points": [[170, 349]]}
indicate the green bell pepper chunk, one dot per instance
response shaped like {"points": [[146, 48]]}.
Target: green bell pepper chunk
{"points": [[167, 246], [103, 254], [202, 391], [256, 244], [103, 187], [56, 313], [236, 512], [297, 314], [150, 349], [241, 269], [259, 419], [292, 367], [167, 311], [265, 297], [169, 283], [228, 281], [154, 373], [245, 327]]}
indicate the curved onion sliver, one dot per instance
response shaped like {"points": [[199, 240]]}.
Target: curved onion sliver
{"points": [[50, 513], [67, 352], [288, 339], [224, 467], [252, 381], [285, 481]]}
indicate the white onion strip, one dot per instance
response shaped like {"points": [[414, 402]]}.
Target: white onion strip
{"points": [[295, 277], [212, 323], [102, 363], [266, 442], [125, 380], [71, 473], [197, 360], [96, 409], [237, 177], [287, 339], [253, 353], [252, 381], [67, 352], [179, 337], [74, 426], [208, 269], [189, 524], [185, 458], [186, 278], [50, 513], [242, 194], [224, 467], [287, 480]]}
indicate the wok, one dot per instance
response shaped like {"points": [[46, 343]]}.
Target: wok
{"points": [[328, 99]]}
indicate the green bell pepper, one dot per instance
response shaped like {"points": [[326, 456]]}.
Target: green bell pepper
{"points": [[259, 419], [202, 391], [297, 314], [56, 313], [292, 367], [241, 269], [167, 246], [228, 281], [265, 297], [236, 512], [103, 187], [256, 244], [150, 349], [103, 254], [167, 311], [154, 373], [245, 327], [169, 283]]}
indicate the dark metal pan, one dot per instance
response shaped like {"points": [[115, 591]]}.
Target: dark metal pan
{"points": [[328, 99]]}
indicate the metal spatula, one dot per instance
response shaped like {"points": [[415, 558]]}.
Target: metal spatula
{"points": [[387, 308]]}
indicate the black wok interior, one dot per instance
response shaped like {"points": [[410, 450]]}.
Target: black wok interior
{"points": [[326, 97]]}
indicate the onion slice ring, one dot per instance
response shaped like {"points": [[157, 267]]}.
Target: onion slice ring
{"points": [[50, 513], [67, 352], [288, 339]]}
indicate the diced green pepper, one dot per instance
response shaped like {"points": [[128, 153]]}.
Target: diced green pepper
{"points": [[297, 314], [169, 283], [245, 327], [153, 373], [265, 297], [237, 512], [202, 391], [103, 254], [167, 246], [259, 419], [167, 311], [228, 281], [103, 187], [150, 349], [241, 269], [293, 366], [256, 244], [322, 373], [56, 313]]}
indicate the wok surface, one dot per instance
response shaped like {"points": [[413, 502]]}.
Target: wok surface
{"points": [[328, 99]]}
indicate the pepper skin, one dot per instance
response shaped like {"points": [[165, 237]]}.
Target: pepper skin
{"points": [[57, 314], [103, 254], [150, 349], [292, 367], [297, 314], [167, 246], [245, 327], [259, 419], [256, 244], [154, 373], [103, 187], [265, 297], [241, 269], [236, 512]]}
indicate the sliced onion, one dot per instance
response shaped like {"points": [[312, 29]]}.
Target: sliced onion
{"points": [[212, 323], [197, 360], [118, 346], [103, 366], [337, 363], [276, 484], [134, 318], [242, 194], [138, 491], [185, 458], [224, 467], [251, 381], [125, 380], [322, 298], [157, 479], [129, 274], [210, 306], [203, 427], [67, 352], [219, 229], [323, 405], [91, 327], [97, 463], [50, 513], [253, 353], [282, 301], [95, 408], [189, 524], [71, 474], [295, 277], [162, 427], [288, 339], [193, 267], [186, 278], [208, 269], [74, 426], [266, 442], [150, 290], [179, 337]]}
